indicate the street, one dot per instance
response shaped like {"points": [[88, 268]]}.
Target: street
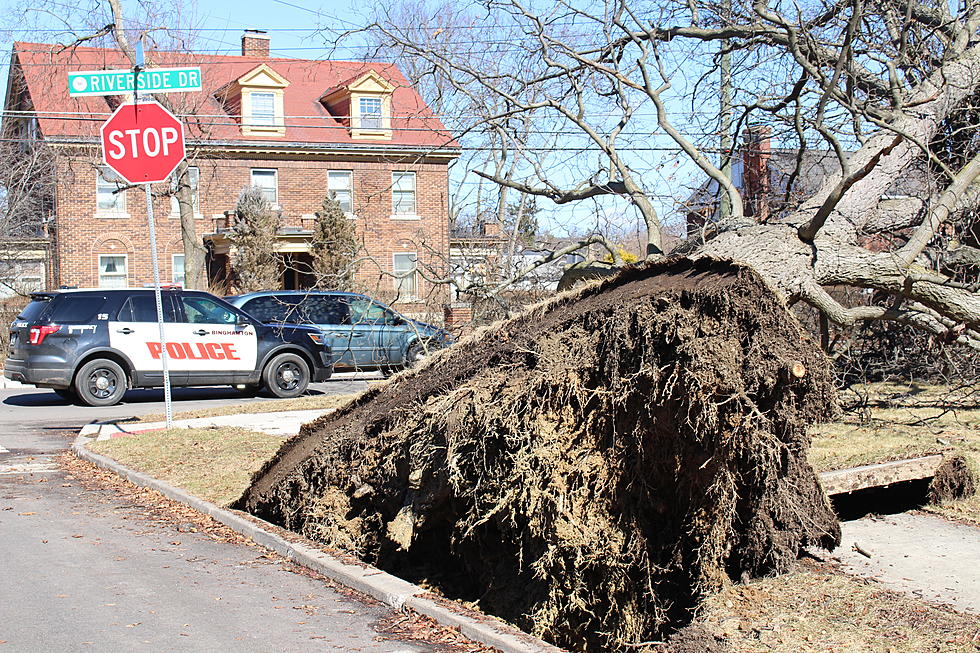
{"points": [[86, 570]]}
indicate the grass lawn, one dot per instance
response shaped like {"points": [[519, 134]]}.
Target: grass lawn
{"points": [[215, 464], [816, 608], [904, 421]]}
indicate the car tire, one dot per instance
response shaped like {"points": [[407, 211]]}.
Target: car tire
{"points": [[100, 382], [286, 376], [415, 354]]}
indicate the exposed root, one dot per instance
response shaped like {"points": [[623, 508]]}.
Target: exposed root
{"points": [[953, 480], [588, 470]]}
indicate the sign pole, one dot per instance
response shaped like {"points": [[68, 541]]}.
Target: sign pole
{"points": [[159, 301]]}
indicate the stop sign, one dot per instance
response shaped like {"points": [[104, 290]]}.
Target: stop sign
{"points": [[142, 142]]}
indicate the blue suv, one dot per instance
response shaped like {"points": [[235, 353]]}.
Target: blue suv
{"points": [[363, 334]]}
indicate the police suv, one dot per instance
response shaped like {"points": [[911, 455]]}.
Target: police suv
{"points": [[93, 345]]}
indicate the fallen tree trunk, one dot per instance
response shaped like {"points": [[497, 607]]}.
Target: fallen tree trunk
{"points": [[587, 470]]}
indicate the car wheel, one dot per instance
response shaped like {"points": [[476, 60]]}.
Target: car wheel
{"points": [[286, 375], [416, 354], [100, 383]]}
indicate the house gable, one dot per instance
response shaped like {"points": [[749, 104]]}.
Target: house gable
{"points": [[363, 105]]}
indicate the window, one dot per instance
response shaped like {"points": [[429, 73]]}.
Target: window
{"points": [[403, 193], [266, 180], [201, 310], [364, 311], [263, 108], [339, 188], [404, 268], [112, 271], [272, 310], [106, 185], [178, 269], [76, 309], [194, 177], [143, 308], [370, 110]]}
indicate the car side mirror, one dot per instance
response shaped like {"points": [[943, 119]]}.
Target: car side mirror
{"points": [[243, 322], [397, 320]]}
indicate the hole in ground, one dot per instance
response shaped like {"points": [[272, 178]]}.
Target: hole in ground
{"points": [[884, 500]]}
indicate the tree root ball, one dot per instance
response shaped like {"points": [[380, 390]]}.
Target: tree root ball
{"points": [[588, 470], [953, 480]]}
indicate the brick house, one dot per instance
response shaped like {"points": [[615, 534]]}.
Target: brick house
{"points": [[297, 129]]}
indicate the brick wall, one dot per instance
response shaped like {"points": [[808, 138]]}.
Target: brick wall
{"points": [[83, 233]]}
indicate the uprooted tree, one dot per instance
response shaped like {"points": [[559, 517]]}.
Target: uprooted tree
{"points": [[884, 87], [587, 470]]}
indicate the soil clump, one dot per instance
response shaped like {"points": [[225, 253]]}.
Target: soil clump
{"points": [[588, 470]]}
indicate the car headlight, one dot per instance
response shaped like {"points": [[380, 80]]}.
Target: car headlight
{"points": [[317, 338]]}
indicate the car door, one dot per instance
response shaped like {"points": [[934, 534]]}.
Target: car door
{"points": [[383, 334], [214, 342], [136, 333]]}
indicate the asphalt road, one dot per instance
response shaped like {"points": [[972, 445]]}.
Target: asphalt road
{"points": [[85, 570]]}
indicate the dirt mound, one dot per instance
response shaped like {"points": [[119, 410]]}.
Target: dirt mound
{"points": [[953, 480], [587, 470]]}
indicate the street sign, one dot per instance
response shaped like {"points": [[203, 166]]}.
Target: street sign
{"points": [[119, 82], [142, 142]]}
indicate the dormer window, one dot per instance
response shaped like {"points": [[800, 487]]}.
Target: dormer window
{"points": [[263, 108], [370, 113], [363, 104], [258, 97]]}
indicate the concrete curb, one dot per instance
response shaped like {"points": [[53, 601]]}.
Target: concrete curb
{"points": [[378, 584]]}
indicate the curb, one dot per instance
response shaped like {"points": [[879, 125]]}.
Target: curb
{"points": [[384, 587]]}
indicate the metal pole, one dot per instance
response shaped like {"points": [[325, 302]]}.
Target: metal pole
{"points": [[159, 301]]}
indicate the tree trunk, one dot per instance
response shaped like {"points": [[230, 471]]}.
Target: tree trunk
{"points": [[195, 270]]}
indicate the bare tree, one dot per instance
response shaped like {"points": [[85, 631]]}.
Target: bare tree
{"points": [[161, 24], [874, 84]]}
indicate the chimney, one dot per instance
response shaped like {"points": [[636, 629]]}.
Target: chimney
{"points": [[255, 43], [755, 157], [491, 229]]}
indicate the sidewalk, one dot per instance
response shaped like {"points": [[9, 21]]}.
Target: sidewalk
{"points": [[283, 424]]}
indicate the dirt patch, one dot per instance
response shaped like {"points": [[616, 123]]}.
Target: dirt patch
{"points": [[589, 470]]}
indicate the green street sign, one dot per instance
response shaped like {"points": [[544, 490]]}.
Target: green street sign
{"points": [[118, 82]]}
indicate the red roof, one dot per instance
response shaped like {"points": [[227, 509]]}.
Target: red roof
{"points": [[45, 68]]}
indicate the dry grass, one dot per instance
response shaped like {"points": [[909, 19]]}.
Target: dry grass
{"points": [[904, 421], [819, 609], [215, 464], [309, 402]]}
